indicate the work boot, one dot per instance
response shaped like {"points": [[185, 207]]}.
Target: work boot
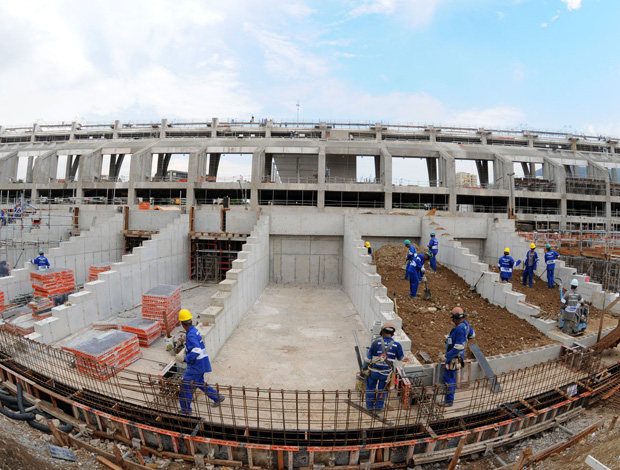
{"points": [[219, 400]]}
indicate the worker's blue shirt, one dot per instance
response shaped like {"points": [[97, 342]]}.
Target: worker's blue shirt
{"points": [[456, 340], [531, 259], [433, 245], [417, 263], [384, 359], [550, 257], [505, 264], [411, 253], [41, 261], [196, 355]]}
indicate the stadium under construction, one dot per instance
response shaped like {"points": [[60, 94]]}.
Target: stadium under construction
{"points": [[259, 229]]}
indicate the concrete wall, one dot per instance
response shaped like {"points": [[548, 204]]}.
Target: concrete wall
{"points": [[162, 260], [305, 260], [243, 285], [103, 242], [151, 220], [363, 286]]}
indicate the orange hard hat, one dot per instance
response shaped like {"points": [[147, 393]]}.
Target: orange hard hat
{"points": [[389, 328]]}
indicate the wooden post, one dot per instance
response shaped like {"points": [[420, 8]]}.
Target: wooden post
{"points": [[457, 453]]}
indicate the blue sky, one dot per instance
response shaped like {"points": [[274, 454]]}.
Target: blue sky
{"points": [[537, 64]]}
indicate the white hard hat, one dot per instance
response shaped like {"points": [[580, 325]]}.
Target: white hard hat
{"points": [[574, 282]]}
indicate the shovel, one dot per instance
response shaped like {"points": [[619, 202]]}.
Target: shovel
{"points": [[427, 292], [473, 288]]}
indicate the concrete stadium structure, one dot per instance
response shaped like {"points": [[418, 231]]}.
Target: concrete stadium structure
{"points": [[299, 219]]}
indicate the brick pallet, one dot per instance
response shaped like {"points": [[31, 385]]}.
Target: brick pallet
{"points": [[95, 269], [163, 301], [40, 303], [24, 324], [105, 326], [52, 281], [146, 330], [107, 354], [1, 301]]}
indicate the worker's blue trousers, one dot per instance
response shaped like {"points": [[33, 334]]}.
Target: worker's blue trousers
{"points": [[550, 274], [528, 271], [414, 281], [433, 262], [375, 388], [449, 379], [505, 276], [189, 384]]}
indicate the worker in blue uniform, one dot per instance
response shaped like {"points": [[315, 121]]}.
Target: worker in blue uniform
{"points": [[410, 255], [198, 365], [379, 365], [456, 342], [550, 257], [416, 271], [41, 261], [506, 264], [529, 265], [369, 248], [433, 246]]}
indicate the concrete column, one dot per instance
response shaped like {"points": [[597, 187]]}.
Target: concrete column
{"points": [[432, 134], [162, 131], [115, 128], [323, 127], [35, 127], [449, 176], [29, 169], [379, 131], [386, 177], [214, 163], [214, 123], [268, 127], [258, 159], [431, 168], [321, 179], [79, 169], [68, 167], [73, 129], [140, 170]]}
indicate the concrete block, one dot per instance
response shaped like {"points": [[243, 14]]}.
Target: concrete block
{"points": [[233, 274], [44, 329], [113, 279], [211, 314], [227, 285], [34, 336], [219, 298]]}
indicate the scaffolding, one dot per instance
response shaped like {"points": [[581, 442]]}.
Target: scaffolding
{"points": [[212, 258]]}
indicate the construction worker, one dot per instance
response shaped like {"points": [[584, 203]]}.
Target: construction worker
{"points": [[410, 255], [572, 298], [198, 365], [505, 265], [433, 246], [529, 265], [456, 342], [41, 261], [2, 217], [416, 271], [380, 363], [367, 245], [550, 257]]}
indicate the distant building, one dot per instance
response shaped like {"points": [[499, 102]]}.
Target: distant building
{"points": [[466, 179], [175, 175]]}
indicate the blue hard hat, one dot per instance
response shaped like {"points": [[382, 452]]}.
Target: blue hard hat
{"points": [[407, 242]]}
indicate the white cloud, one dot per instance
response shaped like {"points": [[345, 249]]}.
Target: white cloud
{"points": [[414, 12], [555, 17], [572, 4], [544, 25]]}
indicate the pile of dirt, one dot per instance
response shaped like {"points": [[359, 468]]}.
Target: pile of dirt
{"points": [[426, 322]]}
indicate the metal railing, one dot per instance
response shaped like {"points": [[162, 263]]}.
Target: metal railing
{"points": [[296, 417]]}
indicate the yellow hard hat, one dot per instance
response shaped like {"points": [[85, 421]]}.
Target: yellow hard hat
{"points": [[533, 245], [507, 250], [367, 244], [185, 315]]}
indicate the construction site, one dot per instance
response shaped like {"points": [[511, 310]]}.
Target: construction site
{"points": [[139, 221]]}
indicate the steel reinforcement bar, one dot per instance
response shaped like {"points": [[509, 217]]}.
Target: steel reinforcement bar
{"points": [[255, 425]]}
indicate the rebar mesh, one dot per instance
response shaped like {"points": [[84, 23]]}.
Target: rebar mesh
{"points": [[295, 417]]}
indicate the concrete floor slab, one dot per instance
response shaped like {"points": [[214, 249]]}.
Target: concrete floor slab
{"points": [[295, 337]]}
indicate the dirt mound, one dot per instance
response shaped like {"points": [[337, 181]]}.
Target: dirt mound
{"points": [[427, 322]]}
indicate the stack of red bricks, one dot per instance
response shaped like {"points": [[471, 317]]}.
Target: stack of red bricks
{"points": [[1, 301], [107, 354], [24, 324], [104, 326], [15, 315], [162, 303], [52, 282], [95, 269], [146, 330], [41, 303]]}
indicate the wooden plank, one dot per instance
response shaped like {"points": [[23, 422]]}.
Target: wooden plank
{"points": [[611, 304], [119, 458], [86, 446], [57, 435], [595, 464], [107, 463], [486, 367], [457, 453], [525, 454]]}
